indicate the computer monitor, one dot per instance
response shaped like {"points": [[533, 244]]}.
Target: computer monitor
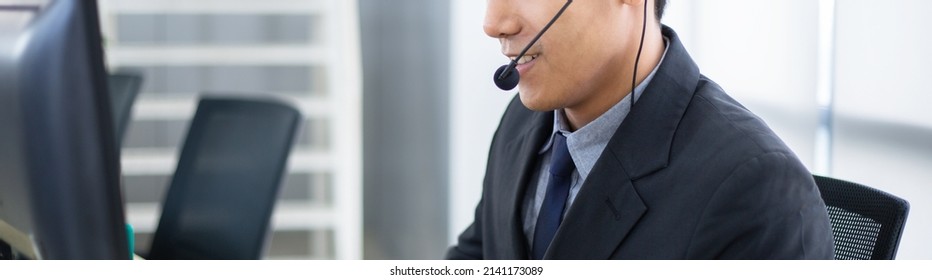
{"points": [[59, 168]]}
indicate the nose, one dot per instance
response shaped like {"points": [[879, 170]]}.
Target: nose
{"points": [[500, 19]]}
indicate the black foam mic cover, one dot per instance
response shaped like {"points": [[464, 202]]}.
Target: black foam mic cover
{"points": [[509, 80]]}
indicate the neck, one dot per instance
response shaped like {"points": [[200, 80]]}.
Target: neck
{"points": [[617, 86]]}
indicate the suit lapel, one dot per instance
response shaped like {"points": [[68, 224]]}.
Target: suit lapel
{"points": [[605, 210], [609, 205], [519, 175]]}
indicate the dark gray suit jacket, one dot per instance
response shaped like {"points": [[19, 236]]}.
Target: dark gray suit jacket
{"points": [[690, 174]]}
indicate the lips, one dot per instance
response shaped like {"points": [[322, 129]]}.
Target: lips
{"points": [[525, 59]]}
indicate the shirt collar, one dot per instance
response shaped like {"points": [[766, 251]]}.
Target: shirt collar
{"points": [[587, 143]]}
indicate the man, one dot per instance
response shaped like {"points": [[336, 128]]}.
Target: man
{"points": [[580, 168]]}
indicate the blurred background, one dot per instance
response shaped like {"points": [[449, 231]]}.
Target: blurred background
{"points": [[400, 107]]}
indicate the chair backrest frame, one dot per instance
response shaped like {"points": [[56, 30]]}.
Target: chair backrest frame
{"points": [[853, 203]]}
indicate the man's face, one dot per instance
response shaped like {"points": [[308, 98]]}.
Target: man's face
{"points": [[577, 58]]}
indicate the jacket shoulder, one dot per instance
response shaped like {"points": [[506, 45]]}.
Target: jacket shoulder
{"points": [[726, 119]]}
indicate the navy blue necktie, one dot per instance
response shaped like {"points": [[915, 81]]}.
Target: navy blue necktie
{"points": [[558, 188]]}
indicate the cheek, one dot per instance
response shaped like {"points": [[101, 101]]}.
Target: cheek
{"points": [[572, 67]]}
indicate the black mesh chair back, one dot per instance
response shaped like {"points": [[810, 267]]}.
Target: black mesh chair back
{"points": [[867, 223], [124, 87], [224, 189]]}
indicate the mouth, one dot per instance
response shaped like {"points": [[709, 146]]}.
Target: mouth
{"points": [[524, 59]]}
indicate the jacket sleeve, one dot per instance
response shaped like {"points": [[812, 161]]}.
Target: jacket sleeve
{"points": [[768, 208]]}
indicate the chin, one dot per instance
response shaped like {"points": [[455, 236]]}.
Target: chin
{"points": [[535, 101]]}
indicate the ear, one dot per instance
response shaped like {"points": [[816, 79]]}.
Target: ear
{"points": [[639, 4]]}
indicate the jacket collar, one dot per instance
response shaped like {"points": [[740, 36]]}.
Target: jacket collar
{"points": [[608, 204]]}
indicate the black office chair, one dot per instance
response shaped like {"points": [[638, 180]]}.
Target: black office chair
{"points": [[124, 86], [226, 184], [867, 223]]}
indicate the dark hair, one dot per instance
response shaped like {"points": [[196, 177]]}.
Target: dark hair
{"points": [[658, 8]]}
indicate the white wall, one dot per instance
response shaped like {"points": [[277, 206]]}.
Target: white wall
{"points": [[476, 106], [884, 121]]}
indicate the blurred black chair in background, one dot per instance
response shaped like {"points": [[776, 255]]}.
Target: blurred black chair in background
{"points": [[223, 192], [124, 88]]}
